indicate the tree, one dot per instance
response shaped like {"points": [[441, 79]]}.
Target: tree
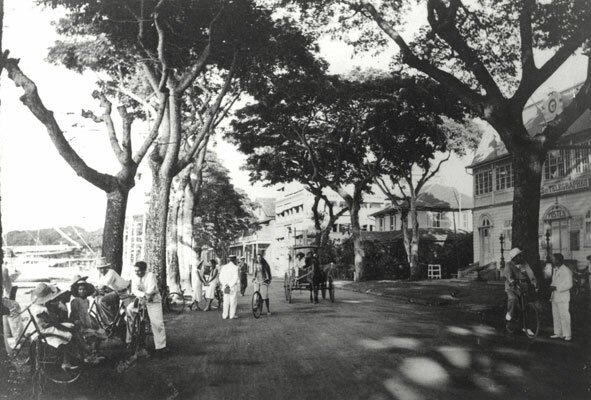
{"points": [[485, 53], [399, 181], [178, 42], [221, 211]]}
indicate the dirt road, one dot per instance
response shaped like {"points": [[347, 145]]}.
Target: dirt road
{"points": [[361, 347]]}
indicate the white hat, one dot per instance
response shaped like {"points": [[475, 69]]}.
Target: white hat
{"points": [[515, 251], [102, 263]]}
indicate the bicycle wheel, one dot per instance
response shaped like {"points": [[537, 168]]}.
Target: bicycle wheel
{"points": [[257, 304], [175, 303], [531, 321], [137, 332], [285, 286], [49, 365]]}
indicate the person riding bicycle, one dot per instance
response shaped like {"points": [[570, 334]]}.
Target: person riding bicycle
{"points": [[262, 279], [210, 282], [144, 286], [517, 271]]}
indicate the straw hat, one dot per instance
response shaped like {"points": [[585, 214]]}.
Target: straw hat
{"points": [[77, 280], [514, 252], [102, 263], [44, 293]]}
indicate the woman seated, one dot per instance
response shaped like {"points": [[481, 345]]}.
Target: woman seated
{"points": [[79, 312], [48, 310]]}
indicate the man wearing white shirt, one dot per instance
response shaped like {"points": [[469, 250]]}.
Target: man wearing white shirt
{"points": [[144, 286], [562, 282], [111, 288], [229, 280]]}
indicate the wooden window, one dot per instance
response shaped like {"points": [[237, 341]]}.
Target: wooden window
{"points": [[504, 177], [483, 182]]}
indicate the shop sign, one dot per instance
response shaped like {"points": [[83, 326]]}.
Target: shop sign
{"points": [[576, 184], [556, 212]]}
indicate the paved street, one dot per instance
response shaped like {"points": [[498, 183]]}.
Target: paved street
{"points": [[361, 347]]}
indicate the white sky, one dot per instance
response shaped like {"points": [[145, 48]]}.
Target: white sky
{"points": [[40, 190]]}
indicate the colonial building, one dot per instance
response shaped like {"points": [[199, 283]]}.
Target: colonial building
{"points": [[438, 207], [565, 205]]}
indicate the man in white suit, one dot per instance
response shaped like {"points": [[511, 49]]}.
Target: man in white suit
{"points": [[562, 282], [229, 281]]}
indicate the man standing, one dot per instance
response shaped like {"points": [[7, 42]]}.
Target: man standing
{"points": [[243, 275], [144, 286], [229, 279], [197, 284], [562, 282], [517, 270], [112, 288], [13, 308]]}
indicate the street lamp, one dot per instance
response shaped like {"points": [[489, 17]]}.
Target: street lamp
{"points": [[502, 240], [548, 266]]}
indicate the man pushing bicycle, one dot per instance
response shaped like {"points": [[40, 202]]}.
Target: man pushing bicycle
{"points": [[517, 273]]}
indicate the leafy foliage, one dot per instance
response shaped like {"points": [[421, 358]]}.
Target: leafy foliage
{"points": [[222, 212]]}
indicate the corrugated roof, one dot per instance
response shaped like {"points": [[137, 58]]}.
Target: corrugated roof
{"points": [[435, 235], [437, 197], [267, 205]]}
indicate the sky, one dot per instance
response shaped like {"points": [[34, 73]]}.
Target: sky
{"points": [[40, 190]]}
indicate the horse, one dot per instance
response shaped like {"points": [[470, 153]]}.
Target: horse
{"points": [[316, 278]]}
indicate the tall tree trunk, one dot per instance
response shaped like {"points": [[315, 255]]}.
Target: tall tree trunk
{"points": [[317, 221], [406, 237], [358, 251], [527, 169], [113, 229], [156, 227], [415, 270], [172, 256], [187, 254]]}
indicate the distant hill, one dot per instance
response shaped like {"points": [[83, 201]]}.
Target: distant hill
{"points": [[52, 237]]}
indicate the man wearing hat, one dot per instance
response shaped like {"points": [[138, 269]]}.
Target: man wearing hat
{"points": [[562, 282], [111, 288], [229, 280], [243, 275], [516, 270]]}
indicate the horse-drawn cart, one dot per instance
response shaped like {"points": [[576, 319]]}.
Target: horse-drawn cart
{"points": [[305, 273]]}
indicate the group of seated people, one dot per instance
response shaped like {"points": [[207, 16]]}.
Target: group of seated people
{"points": [[76, 330]]}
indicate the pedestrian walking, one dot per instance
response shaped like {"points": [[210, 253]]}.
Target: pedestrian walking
{"points": [[243, 275], [210, 282], [562, 282], [262, 279], [229, 280]]}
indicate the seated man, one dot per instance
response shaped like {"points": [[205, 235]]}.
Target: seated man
{"points": [[517, 270], [47, 310], [301, 264], [144, 286], [111, 288]]}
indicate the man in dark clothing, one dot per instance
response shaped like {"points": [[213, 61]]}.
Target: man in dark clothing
{"points": [[243, 275]]}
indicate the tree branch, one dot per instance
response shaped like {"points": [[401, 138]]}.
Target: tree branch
{"points": [[126, 120], [141, 152], [32, 100]]}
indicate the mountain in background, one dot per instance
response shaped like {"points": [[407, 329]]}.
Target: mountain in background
{"points": [[52, 237]]}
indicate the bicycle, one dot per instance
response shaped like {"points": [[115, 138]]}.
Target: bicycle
{"points": [[116, 326], [257, 304], [528, 313], [45, 361], [174, 302], [140, 327]]}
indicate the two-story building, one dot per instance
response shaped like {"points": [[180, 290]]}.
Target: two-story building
{"points": [[565, 205]]}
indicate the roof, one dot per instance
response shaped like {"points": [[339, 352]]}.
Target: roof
{"points": [[433, 235], [267, 205], [537, 117], [436, 197]]}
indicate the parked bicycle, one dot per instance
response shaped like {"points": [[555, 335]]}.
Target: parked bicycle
{"points": [[174, 302], [527, 317], [114, 328]]}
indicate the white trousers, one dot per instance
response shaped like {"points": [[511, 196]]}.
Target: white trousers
{"points": [[561, 319], [156, 322], [197, 286], [230, 304]]}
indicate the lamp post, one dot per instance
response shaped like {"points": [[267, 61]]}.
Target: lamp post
{"points": [[502, 240], [548, 256]]}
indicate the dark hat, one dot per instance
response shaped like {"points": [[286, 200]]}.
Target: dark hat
{"points": [[77, 281]]}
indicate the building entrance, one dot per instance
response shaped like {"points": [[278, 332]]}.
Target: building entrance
{"points": [[557, 221]]}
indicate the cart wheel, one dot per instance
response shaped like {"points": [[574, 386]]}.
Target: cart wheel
{"points": [[289, 292], [285, 286], [330, 289]]}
